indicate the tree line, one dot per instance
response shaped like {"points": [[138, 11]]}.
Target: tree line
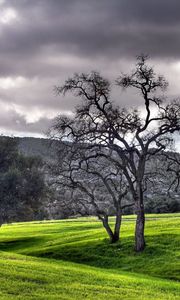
{"points": [[22, 185]]}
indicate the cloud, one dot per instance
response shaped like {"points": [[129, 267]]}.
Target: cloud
{"points": [[16, 124], [95, 28], [43, 42]]}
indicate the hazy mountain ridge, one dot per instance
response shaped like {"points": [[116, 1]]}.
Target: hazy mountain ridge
{"points": [[158, 188], [35, 147]]}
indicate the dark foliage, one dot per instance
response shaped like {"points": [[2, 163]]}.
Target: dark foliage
{"points": [[22, 185]]}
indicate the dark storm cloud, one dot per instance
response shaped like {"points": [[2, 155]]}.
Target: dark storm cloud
{"points": [[51, 39], [117, 27]]}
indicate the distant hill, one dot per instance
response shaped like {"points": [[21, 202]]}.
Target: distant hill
{"points": [[35, 147], [30, 146], [157, 186]]}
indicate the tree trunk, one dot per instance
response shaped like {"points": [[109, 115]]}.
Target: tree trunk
{"points": [[113, 236], [117, 226], [140, 223], [108, 229]]}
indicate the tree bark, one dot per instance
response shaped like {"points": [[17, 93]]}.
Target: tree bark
{"points": [[108, 229], [117, 227], [113, 236], [140, 223]]}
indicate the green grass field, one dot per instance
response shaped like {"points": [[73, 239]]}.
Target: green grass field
{"points": [[72, 259]]}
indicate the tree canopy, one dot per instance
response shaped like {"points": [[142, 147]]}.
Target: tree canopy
{"points": [[22, 184], [130, 135]]}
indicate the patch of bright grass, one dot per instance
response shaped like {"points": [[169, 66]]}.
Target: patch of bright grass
{"points": [[72, 259]]}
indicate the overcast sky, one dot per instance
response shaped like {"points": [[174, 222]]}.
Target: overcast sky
{"points": [[42, 42]]}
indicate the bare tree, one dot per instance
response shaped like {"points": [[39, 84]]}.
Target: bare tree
{"points": [[92, 185], [162, 177], [171, 167], [130, 137]]}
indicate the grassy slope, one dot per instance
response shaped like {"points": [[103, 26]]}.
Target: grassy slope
{"points": [[71, 260]]}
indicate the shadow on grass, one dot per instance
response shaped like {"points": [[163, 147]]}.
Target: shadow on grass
{"points": [[19, 244], [159, 258]]}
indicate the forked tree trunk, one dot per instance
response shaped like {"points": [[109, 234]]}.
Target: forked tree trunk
{"points": [[113, 236], [140, 223], [108, 229], [117, 226]]}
